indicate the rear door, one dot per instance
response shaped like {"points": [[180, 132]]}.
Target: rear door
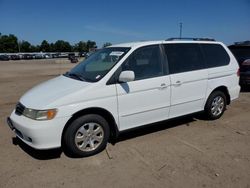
{"points": [[188, 75], [147, 98]]}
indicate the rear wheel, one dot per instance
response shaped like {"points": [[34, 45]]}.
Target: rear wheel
{"points": [[86, 136], [216, 105]]}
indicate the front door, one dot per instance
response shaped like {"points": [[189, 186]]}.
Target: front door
{"points": [[147, 98]]}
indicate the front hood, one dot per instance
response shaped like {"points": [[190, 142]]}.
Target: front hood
{"points": [[46, 93]]}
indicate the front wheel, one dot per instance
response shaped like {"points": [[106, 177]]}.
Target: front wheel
{"points": [[216, 105], [86, 136]]}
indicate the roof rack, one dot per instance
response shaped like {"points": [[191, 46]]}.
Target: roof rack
{"points": [[194, 39]]}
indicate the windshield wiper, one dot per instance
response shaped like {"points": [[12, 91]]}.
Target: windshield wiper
{"points": [[75, 76]]}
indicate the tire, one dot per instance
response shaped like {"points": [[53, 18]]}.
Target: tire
{"points": [[215, 105], [86, 136]]}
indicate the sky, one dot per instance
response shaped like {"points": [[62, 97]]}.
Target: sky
{"points": [[118, 21]]}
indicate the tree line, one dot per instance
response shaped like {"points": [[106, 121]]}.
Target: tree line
{"points": [[11, 44]]}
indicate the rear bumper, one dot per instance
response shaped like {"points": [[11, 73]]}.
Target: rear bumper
{"points": [[38, 134], [234, 92]]}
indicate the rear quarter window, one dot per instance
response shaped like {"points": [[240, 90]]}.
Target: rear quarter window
{"points": [[215, 55]]}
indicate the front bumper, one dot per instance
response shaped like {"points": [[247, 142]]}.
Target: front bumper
{"points": [[38, 134]]}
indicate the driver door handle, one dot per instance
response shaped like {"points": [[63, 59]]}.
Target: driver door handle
{"points": [[163, 86]]}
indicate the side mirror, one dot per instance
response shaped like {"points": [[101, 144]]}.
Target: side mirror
{"points": [[126, 76]]}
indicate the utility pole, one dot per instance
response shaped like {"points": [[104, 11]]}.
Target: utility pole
{"points": [[180, 30], [18, 44]]}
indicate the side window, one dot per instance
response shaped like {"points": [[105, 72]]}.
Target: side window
{"points": [[184, 57], [145, 62], [215, 55]]}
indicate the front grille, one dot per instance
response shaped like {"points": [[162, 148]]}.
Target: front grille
{"points": [[19, 109]]}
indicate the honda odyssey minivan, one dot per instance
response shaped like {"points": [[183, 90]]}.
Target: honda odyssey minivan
{"points": [[126, 86]]}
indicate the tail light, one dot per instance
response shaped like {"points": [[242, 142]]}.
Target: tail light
{"points": [[238, 72]]}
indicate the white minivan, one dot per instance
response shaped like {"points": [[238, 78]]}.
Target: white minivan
{"points": [[126, 86]]}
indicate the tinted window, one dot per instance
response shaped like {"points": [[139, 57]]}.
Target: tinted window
{"points": [[215, 55], [184, 57], [145, 62]]}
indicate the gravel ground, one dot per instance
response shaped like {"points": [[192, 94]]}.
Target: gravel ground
{"points": [[187, 152]]}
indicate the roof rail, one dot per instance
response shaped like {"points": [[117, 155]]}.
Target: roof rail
{"points": [[194, 39]]}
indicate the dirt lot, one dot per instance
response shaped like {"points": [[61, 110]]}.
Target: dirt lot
{"points": [[187, 152]]}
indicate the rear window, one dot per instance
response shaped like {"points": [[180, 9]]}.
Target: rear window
{"points": [[184, 57], [215, 55]]}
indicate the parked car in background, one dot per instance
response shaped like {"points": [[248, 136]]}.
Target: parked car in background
{"points": [[242, 53], [63, 55], [55, 55], [4, 58], [28, 56], [89, 54], [47, 56], [82, 54], [71, 55], [14, 57], [125, 86], [38, 56], [72, 58]]}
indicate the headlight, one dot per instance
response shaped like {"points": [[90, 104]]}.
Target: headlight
{"points": [[40, 114]]}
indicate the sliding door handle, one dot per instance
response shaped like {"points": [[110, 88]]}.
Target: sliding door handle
{"points": [[177, 83]]}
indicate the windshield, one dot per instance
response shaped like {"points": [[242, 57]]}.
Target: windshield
{"points": [[97, 65]]}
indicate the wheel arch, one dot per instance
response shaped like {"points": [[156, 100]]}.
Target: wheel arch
{"points": [[223, 89], [114, 132]]}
